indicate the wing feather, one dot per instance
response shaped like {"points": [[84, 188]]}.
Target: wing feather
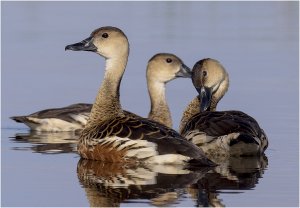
{"points": [[166, 139], [222, 123]]}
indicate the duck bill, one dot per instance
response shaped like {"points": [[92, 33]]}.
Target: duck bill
{"points": [[205, 95], [85, 45], [184, 71]]}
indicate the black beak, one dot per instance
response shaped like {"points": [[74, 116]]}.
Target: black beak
{"points": [[85, 45], [205, 95], [184, 71]]}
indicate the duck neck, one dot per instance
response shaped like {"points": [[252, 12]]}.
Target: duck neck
{"points": [[159, 111], [107, 104], [192, 109], [213, 105]]}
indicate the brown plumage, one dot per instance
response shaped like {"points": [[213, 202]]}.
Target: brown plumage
{"points": [[219, 133], [166, 140], [134, 138]]}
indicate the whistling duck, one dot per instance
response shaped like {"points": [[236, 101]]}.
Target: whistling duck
{"points": [[219, 133], [111, 135]]}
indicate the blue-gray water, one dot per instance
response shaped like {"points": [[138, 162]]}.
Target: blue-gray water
{"points": [[257, 42]]}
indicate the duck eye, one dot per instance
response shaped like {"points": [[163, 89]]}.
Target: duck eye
{"points": [[204, 73], [105, 35], [168, 60]]}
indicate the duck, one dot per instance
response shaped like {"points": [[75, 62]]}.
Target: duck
{"points": [[110, 135], [161, 68], [69, 118], [219, 133]]}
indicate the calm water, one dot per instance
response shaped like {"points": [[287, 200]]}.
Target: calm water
{"points": [[257, 42]]}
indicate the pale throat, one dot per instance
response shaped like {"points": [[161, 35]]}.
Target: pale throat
{"points": [[219, 93], [159, 111], [157, 92], [107, 103]]}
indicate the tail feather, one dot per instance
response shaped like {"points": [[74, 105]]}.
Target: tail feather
{"points": [[19, 119]]}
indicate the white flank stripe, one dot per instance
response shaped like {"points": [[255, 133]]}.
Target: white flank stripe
{"points": [[82, 118], [52, 125], [144, 149], [169, 159], [142, 152]]}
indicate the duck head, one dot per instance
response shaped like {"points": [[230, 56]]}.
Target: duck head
{"points": [[211, 81], [107, 41], [164, 67]]}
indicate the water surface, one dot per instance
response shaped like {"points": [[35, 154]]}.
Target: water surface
{"points": [[257, 42]]}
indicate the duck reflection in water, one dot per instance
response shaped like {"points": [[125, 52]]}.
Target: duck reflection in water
{"points": [[109, 184], [48, 142], [234, 176]]}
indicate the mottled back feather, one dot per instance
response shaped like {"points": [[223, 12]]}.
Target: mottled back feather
{"points": [[218, 123], [167, 139]]}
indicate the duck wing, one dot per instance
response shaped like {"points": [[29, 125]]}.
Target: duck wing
{"points": [[165, 140]]}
